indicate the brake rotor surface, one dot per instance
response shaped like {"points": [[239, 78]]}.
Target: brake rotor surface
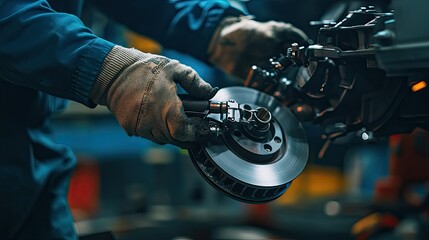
{"points": [[247, 169]]}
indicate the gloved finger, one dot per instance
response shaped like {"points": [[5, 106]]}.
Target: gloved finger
{"points": [[158, 136], [189, 80], [202, 133], [287, 33], [180, 127]]}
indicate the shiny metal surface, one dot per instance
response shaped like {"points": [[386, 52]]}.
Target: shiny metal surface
{"points": [[288, 163]]}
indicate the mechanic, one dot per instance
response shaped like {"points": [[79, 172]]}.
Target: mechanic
{"points": [[48, 55]]}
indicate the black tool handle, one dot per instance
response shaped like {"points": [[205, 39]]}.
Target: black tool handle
{"points": [[194, 105]]}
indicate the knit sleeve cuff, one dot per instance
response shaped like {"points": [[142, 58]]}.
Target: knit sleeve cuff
{"points": [[115, 62], [87, 69]]}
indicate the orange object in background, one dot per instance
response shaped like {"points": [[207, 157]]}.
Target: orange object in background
{"points": [[314, 182], [142, 43], [84, 190], [418, 86], [371, 224]]}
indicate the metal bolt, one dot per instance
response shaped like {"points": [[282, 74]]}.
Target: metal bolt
{"points": [[268, 148], [367, 135]]}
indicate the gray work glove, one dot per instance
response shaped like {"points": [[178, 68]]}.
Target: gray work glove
{"points": [[140, 90], [240, 42]]}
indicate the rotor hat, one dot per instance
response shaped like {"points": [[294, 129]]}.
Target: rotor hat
{"points": [[254, 169]]}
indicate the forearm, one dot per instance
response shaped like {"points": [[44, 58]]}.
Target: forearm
{"points": [[48, 51], [186, 26]]}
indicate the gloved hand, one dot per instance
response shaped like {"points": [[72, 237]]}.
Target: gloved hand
{"points": [[140, 90], [239, 43]]}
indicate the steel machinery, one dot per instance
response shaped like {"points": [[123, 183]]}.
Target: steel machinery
{"points": [[258, 146], [366, 74]]}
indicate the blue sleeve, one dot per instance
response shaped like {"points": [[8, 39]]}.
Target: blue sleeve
{"points": [[48, 51], [184, 25]]}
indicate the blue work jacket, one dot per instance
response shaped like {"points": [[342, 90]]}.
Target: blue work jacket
{"points": [[48, 55]]}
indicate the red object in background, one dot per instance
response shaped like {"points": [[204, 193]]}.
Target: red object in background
{"points": [[84, 190], [259, 215], [258, 211], [372, 224], [409, 163]]}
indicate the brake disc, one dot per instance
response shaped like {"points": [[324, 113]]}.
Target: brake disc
{"points": [[249, 169]]}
